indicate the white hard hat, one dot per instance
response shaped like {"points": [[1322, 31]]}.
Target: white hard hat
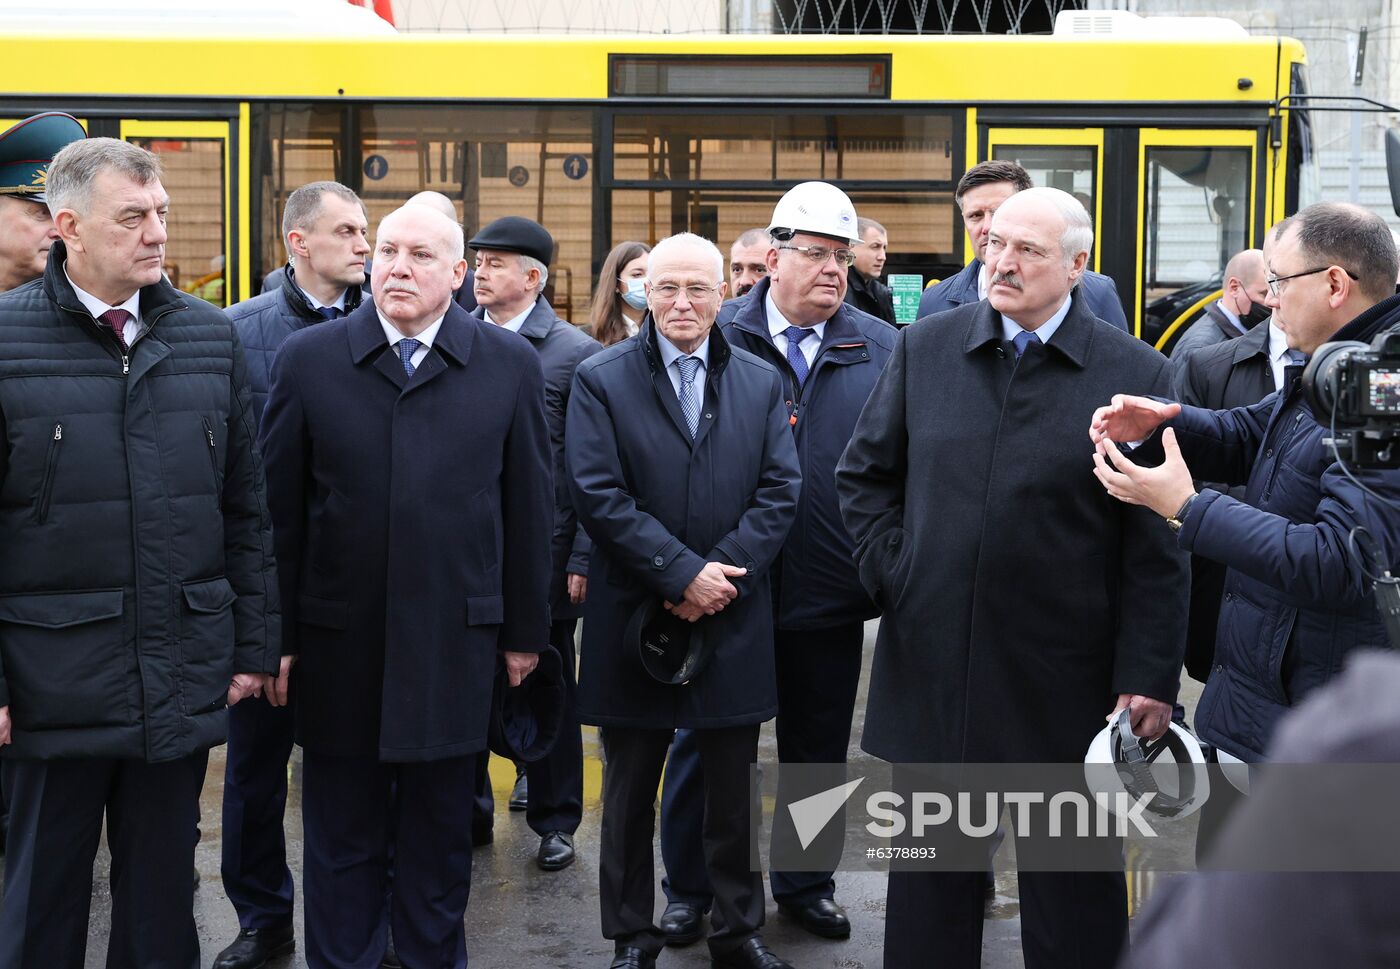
{"points": [[1118, 760], [817, 207]]}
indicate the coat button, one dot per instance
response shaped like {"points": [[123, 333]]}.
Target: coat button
{"points": [[749, 566], [658, 561], [1219, 668], [1269, 453], [1229, 596], [708, 416]]}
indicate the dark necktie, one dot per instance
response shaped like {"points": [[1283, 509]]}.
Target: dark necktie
{"points": [[795, 335], [330, 312], [116, 322], [1296, 358], [407, 347], [1023, 340]]}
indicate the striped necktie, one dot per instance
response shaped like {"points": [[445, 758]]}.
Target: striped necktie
{"points": [[687, 367]]}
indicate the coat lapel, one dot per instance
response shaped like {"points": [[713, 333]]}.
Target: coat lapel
{"points": [[452, 346]]}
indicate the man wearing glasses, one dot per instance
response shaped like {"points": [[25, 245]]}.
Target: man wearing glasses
{"points": [[685, 476], [829, 355], [1297, 599]]}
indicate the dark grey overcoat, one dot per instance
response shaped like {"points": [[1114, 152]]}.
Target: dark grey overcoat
{"points": [[1019, 598]]}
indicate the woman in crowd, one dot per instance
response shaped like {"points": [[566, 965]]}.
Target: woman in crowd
{"points": [[620, 299]]}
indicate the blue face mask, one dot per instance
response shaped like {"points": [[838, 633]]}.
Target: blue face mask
{"points": [[635, 296]]}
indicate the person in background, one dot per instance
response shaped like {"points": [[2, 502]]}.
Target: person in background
{"points": [[1238, 310], [748, 261], [620, 299], [864, 290]]}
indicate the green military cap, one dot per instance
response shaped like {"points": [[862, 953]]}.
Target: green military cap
{"points": [[28, 147]]}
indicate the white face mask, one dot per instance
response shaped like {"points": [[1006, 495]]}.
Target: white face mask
{"points": [[636, 296]]}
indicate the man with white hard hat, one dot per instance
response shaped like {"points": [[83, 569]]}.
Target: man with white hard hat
{"points": [[829, 355]]}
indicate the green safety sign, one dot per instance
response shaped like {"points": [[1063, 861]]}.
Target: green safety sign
{"points": [[907, 289]]}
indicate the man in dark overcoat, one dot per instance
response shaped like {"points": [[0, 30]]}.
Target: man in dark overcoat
{"points": [[1020, 608], [829, 354], [686, 478], [512, 256], [138, 597], [410, 486]]}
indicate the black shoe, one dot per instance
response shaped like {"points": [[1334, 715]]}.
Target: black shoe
{"points": [[257, 947], [630, 957], [556, 851], [682, 923], [822, 917], [753, 954], [520, 793]]}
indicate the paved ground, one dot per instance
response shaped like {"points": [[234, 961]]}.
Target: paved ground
{"points": [[522, 917]]}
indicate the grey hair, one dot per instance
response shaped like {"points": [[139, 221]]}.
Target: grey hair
{"points": [[752, 237], [864, 225], [1079, 229], [457, 240], [530, 262], [688, 239], [77, 166], [304, 205]]}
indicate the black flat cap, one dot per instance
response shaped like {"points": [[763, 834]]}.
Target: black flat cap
{"points": [[671, 649], [27, 148], [515, 233], [526, 720]]}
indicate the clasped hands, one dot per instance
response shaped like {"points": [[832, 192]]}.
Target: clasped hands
{"points": [[1164, 488], [708, 593]]}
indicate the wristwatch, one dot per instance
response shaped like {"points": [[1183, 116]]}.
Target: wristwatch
{"points": [[1174, 522]]}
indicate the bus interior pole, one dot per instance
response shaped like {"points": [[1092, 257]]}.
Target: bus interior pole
{"points": [[1358, 70]]}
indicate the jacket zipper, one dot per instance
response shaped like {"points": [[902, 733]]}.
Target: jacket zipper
{"points": [[213, 459], [50, 466]]}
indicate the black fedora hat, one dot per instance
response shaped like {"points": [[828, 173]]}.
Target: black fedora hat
{"points": [[671, 649], [526, 720]]}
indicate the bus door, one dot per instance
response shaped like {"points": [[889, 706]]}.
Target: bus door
{"points": [[1070, 159], [200, 257], [1198, 205]]}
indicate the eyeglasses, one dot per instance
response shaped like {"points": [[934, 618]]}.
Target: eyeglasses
{"points": [[1277, 290], [696, 293], [820, 254]]}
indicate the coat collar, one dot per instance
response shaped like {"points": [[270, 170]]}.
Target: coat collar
{"points": [[538, 323], [301, 306], [452, 346], [719, 349], [1222, 322], [156, 299], [1254, 342], [1365, 327], [1072, 341], [963, 288]]}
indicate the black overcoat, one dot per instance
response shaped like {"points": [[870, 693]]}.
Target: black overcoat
{"points": [[659, 505], [561, 346], [1019, 598], [412, 519]]}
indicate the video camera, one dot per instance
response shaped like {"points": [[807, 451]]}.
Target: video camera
{"points": [[1356, 389]]}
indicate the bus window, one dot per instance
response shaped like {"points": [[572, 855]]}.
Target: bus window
{"points": [[535, 162], [193, 173], [1197, 214], [1070, 168], [300, 144]]}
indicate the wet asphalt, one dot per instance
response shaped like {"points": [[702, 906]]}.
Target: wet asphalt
{"points": [[520, 916]]}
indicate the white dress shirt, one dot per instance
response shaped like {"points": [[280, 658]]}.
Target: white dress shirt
{"points": [[426, 338], [339, 303], [513, 325], [1230, 315], [777, 323], [669, 355], [1045, 331], [1278, 353], [97, 307]]}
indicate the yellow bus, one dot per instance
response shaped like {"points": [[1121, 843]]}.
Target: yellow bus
{"points": [[1181, 147]]}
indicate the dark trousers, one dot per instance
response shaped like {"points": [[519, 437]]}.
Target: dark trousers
{"points": [[818, 677], [56, 812], [1069, 920], [556, 781], [359, 814], [626, 872], [254, 865]]}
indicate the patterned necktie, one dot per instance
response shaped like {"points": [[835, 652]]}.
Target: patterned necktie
{"points": [[330, 312], [407, 347], [1296, 358], [1022, 340], [690, 401], [116, 322], [795, 335]]}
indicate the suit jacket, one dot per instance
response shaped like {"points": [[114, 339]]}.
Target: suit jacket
{"points": [[1096, 290], [1212, 328], [1018, 598], [561, 346], [412, 519], [1234, 373]]}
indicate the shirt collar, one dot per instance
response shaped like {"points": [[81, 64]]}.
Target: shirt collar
{"points": [[1230, 314], [669, 353], [777, 322], [1045, 331], [394, 335], [317, 304], [1278, 341], [97, 307], [982, 283], [513, 324]]}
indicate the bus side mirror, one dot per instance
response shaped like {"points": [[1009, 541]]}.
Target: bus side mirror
{"points": [[1392, 166]]}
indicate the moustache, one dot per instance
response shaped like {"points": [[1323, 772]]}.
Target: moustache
{"points": [[1008, 279], [401, 288]]}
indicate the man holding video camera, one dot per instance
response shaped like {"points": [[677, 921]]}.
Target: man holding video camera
{"points": [[1310, 533]]}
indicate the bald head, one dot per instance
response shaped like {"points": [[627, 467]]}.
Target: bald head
{"points": [[418, 264], [436, 201], [1246, 266]]}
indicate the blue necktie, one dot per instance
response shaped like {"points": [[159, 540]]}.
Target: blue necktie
{"points": [[1022, 340], [795, 335], [330, 312], [1296, 358], [690, 401], [407, 347]]}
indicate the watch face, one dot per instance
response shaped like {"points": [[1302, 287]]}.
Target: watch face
{"points": [[1174, 524]]}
